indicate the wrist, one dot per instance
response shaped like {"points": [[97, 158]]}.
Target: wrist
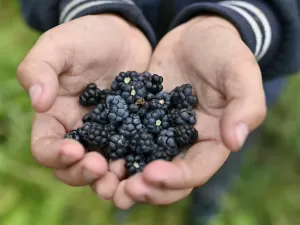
{"points": [[205, 22]]}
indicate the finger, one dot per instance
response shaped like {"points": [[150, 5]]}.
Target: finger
{"points": [[38, 72], [121, 199], [118, 168], [48, 146], [141, 191], [246, 107], [106, 187], [92, 167], [201, 162]]}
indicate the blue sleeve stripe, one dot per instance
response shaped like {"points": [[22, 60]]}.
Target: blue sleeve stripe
{"points": [[258, 21]]}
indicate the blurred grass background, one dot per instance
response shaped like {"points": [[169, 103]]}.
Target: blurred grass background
{"points": [[268, 192]]}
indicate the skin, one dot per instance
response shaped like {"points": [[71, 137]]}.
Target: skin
{"points": [[206, 52], [54, 73]]}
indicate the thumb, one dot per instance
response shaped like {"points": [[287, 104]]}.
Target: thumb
{"points": [[246, 108], [38, 73]]}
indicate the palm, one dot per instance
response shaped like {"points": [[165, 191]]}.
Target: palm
{"points": [[92, 49]]}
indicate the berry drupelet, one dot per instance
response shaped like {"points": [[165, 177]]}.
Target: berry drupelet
{"points": [[118, 109], [131, 125], [143, 143], [118, 147], [95, 137], [74, 134], [182, 97], [186, 135], [135, 164], [153, 82], [182, 116], [161, 100], [98, 115], [156, 120], [124, 80], [90, 96]]}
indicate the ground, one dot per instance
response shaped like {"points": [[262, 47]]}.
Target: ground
{"points": [[266, 194]]}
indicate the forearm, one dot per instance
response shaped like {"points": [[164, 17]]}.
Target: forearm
{"points": [[44, 15]]}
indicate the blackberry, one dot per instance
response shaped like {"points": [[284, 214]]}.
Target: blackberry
{"points": [[182, 97], [186, 135], [135, 164], [90, 96], [161, 100], [104, 93], [74, 134], [131, 125], [118, 109], [159, 154], [153, 82], [143, 143], [85, 128], [118, 147], [182, 116], [98, 115], [134, 94], [95, 136], [124, 80], [167, 138], [140, 107], [86, 118], [156, 120]]}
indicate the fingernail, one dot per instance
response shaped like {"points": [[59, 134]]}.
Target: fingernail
{"points": [[89, 177], [35, 93], [242, 132]]}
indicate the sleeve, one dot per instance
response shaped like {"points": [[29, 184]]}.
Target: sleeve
{"points": [[46, 14], [271, 30]]}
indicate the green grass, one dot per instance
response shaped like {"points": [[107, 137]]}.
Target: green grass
{"points": [[266, 194]]}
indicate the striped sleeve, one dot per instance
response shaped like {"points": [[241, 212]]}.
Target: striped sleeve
{"points": [[255, 20], [72, 9]]}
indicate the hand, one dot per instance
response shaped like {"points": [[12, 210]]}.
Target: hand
{"points": [[55, 72], [208, 53]]}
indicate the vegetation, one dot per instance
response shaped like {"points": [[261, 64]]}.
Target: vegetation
{"points": [[266, 194]]}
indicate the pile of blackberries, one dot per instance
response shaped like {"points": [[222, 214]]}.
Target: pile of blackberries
{"points": [[137, 120]]}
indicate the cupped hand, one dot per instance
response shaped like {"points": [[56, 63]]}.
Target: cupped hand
{"points": [[91, 49], [208, 53]]}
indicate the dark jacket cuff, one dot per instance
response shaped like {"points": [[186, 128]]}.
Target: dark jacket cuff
{"points": [[255, 21], [72, 9]]}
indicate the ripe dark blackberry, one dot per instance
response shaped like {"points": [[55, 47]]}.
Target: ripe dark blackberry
{"points": [[153, 82], [161, 100], [167, 138], [124, 80], [118, 147], [182, 97], [135, 164], [182, 116], [186, 135], [104, 93], [142, 143], [134, 94], [90, 96], [74, 134], [131, 125], [159, 154], [156, 120], [98, 115], [95, 137], [118, 109]]}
